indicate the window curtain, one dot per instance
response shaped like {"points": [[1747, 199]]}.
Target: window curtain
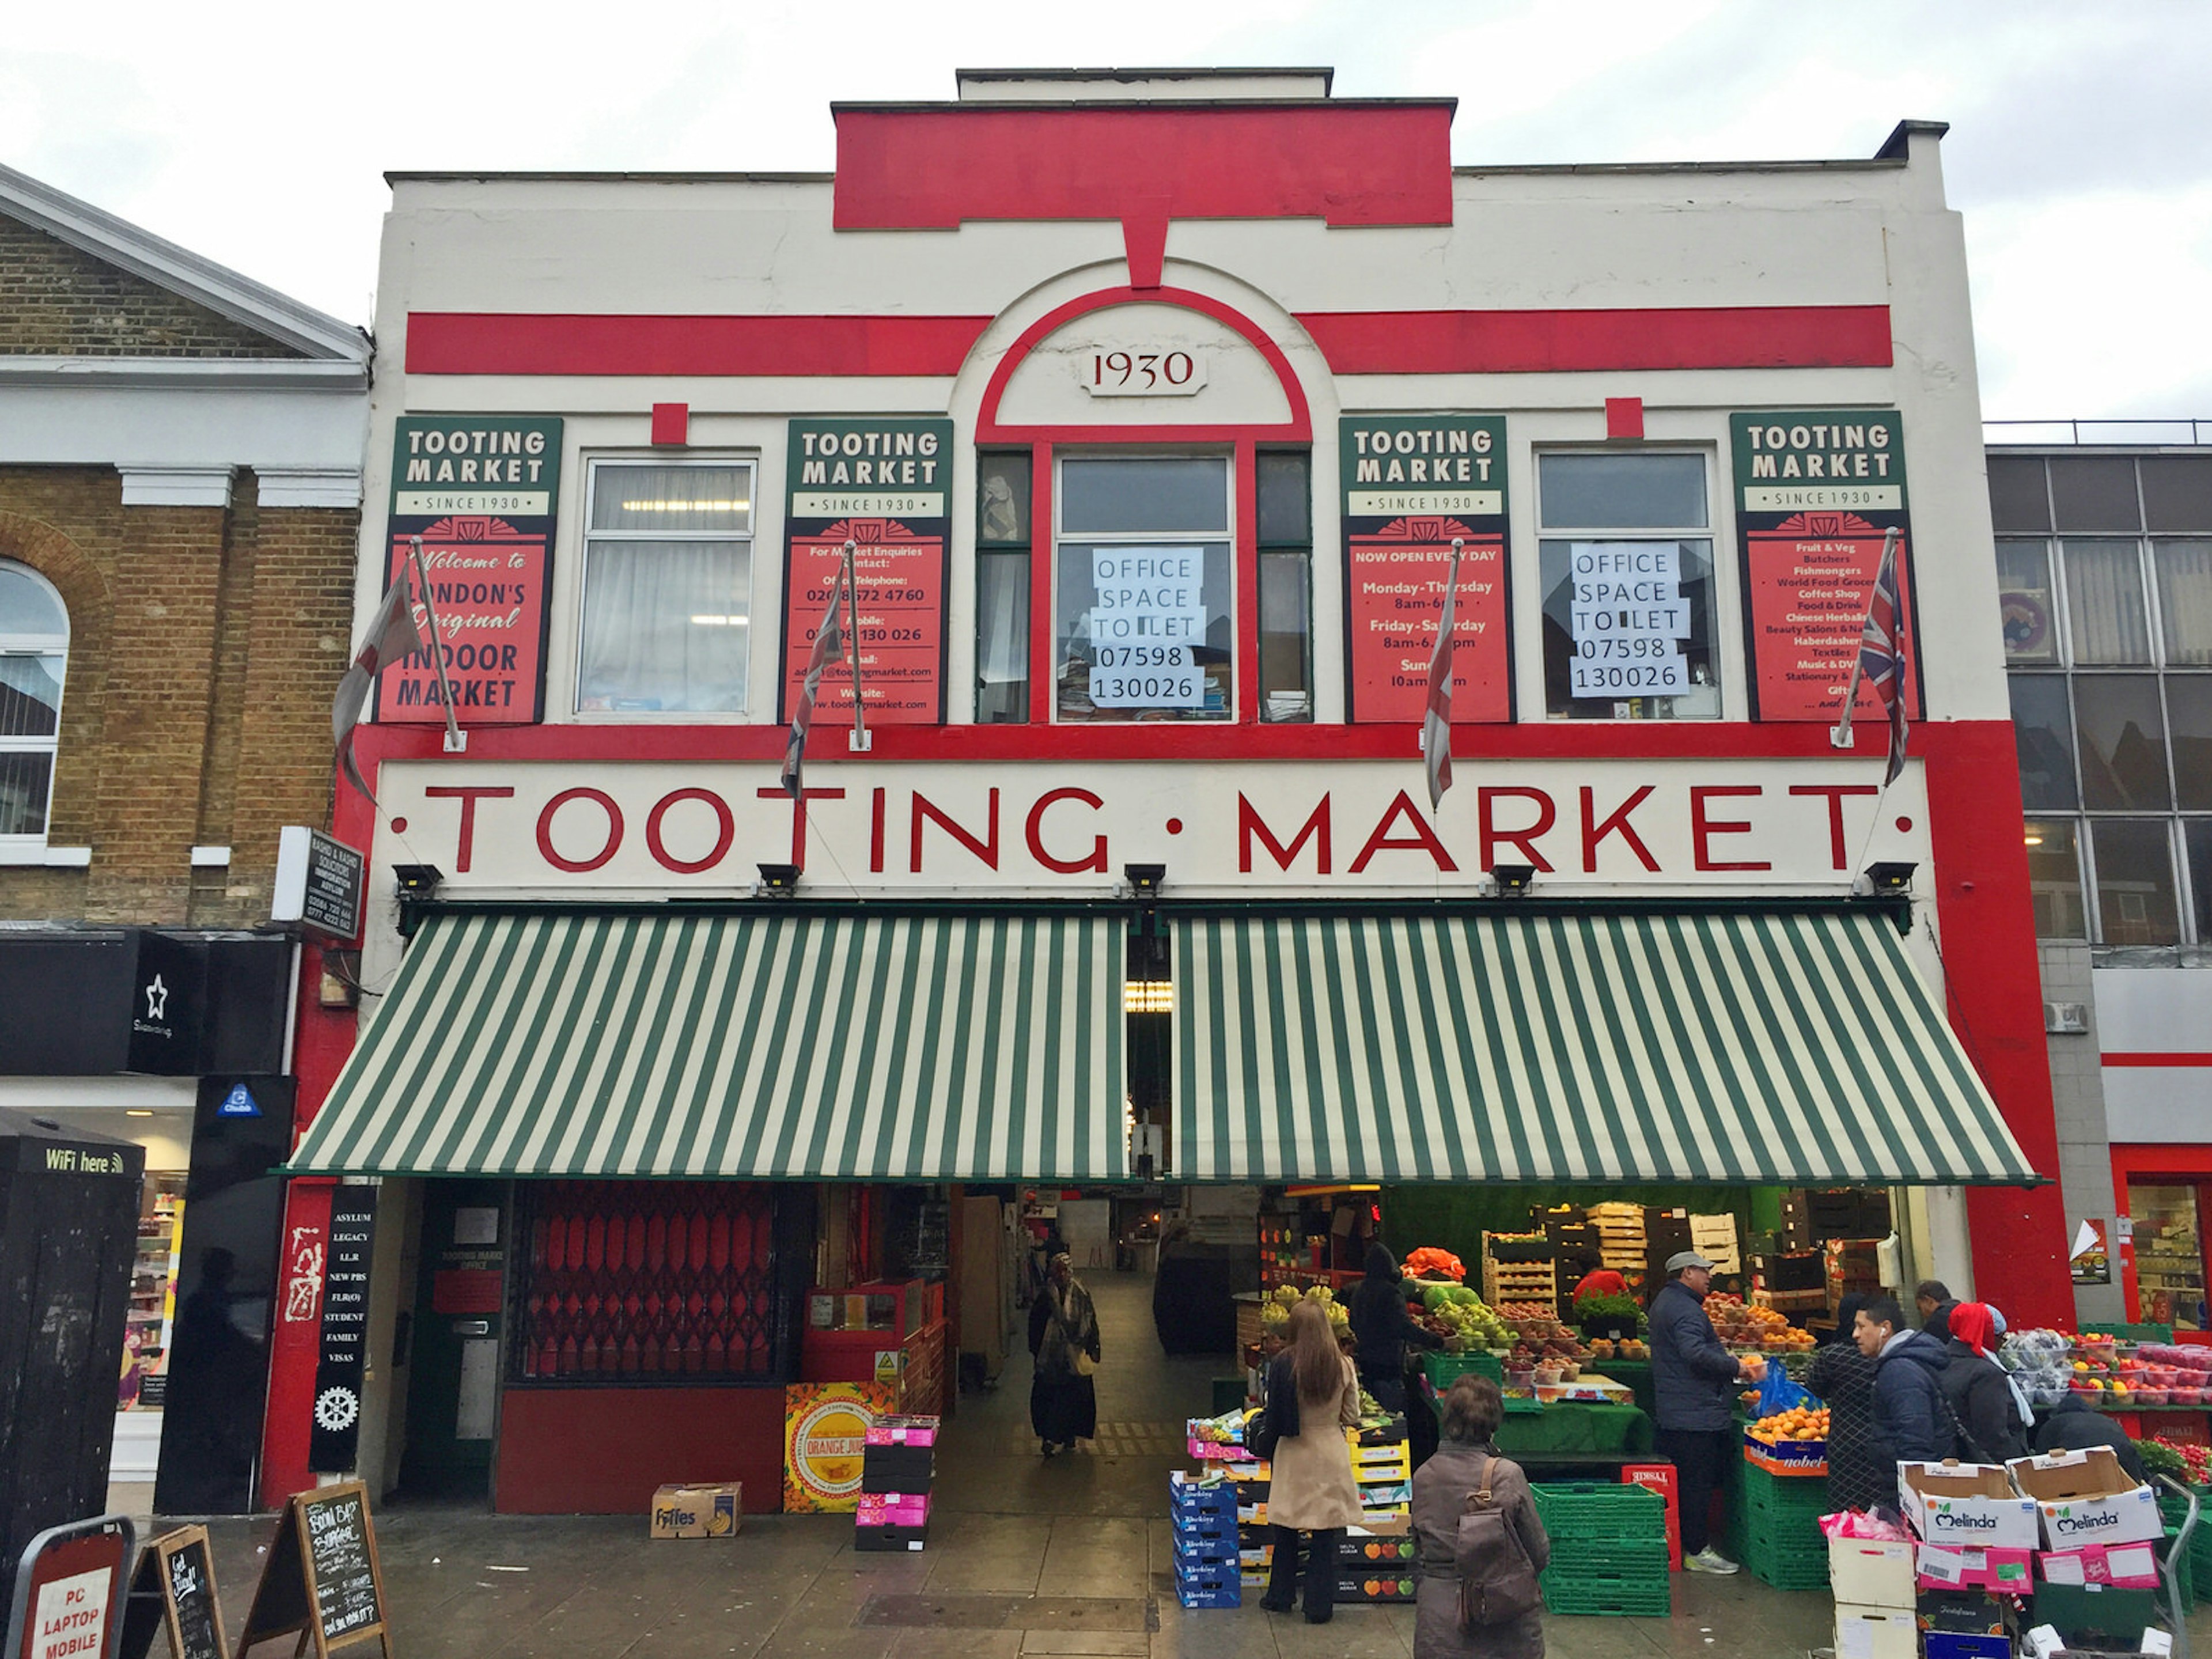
{"points": [[2105, 597], [665, 627], [2184, 595]]}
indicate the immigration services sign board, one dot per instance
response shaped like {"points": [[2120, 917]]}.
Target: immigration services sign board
{"points": [[481, 491], [1816, 490], [885, 485], [1065, 829], [1412, 484]]}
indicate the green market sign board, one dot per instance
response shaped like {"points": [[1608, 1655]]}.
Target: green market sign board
{"points": [[884, 483], [1815, 490], [1411, 485], [480, 491]]}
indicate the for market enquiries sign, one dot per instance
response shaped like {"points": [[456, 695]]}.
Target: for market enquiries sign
{"points": [[1816, 489], [482, 491]]}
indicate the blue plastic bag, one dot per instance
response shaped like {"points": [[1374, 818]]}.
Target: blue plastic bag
{"points": [[1777, 1393]]}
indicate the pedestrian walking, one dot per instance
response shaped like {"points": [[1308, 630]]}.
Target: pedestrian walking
{"points": [[1383, 1329], [1993, 1415], [1064, 1343], [1310, 1488], [1466, 1464], [1694, 1381], [1913, 1420], [1843, 1378]]}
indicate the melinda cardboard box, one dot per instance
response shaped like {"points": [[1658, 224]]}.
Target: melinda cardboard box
{"points": [[694, 1509], [1959, 1504], [2125, 1566], [2086, 1498]]}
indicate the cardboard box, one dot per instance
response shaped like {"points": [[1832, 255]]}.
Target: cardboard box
{"points": [[2086, 1498], [697, 1510], [1868, 1573], [1968, 1504], [893, 1508], [2125, 1566], [896, 1468], [902, 1431], [1969, 1567], [1948, 1644], [1963, 1613], [1863, 1632], [889, 1538]]}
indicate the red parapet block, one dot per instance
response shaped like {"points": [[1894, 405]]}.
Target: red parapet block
{"points": [[1540, 341], [555, 342]]}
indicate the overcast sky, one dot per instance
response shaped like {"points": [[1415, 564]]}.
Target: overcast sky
{"points": [[2081, 151]]}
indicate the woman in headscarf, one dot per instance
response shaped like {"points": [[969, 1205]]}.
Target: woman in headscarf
{"points": [[1064, 1343], [1310, 1486], [1992, 1419], [1843, 1379]]}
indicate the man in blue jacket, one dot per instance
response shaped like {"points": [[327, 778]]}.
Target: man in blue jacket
{"points": [[1912, 1421], [1694, 1381]]}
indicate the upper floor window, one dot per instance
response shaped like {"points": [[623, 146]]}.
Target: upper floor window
{"points": [[1144, 620], [667, 605], [34, 659], [1626, 554]]}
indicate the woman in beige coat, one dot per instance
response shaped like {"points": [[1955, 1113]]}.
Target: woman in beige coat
{"points": [[1310, 1486]]}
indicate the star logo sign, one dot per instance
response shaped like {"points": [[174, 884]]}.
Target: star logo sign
{"points": [[157, 1000]]}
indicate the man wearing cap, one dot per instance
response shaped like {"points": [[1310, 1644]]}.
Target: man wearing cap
{"points": [[1694, 1381]]}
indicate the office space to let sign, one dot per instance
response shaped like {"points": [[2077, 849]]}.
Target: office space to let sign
{"points": [[885, 485], [1816, 490], [1413, 483], [481, 491]]}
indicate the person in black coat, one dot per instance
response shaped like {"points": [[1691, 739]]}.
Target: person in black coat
{"points": [[1843, 1377], [1384, 1329], [1912, 1418], [1932, 1301], [1992, 1427], [1694, 1381], [2070, 1426]]}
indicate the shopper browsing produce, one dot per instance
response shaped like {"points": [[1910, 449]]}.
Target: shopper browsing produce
{"points": [[1912, 1418], [1694, 1384], [1858, 1478], [1385, 1329], [2070, 1426], [1312, 1490], [1992, 1420]]}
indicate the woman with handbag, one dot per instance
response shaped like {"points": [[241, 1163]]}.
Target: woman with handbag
{"points": [[1482, 1543], [1064, 1343], [1313, 1397]]}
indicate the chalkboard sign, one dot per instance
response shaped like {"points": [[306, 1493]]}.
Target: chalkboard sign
{"points": [[322, 1580], [174, 1590]]}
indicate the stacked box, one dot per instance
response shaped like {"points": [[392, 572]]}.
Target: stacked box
{"points": [[1774, 1528], [1609, 1550], [897, 1466], [1621, 1234], [1854, 1268], [1714, 1236], [1519, 1269], [1860, 1213], [1203, 1516]]}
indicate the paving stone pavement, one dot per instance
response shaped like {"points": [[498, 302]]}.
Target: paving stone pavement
{"points": [[1067, 1557]]}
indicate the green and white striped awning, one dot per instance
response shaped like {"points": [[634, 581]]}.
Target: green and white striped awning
{"points": [[1570, 1048], [765, 1042]]}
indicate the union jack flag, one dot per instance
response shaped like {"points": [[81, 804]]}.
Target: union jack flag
{"points": [[1881, 661], [1435, 720], [829, 647]]}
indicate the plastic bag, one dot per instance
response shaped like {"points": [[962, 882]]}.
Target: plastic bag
{"points": [[1861, 1523], [1778, 1393]]}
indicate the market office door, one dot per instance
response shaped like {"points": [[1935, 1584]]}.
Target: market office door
{"points": [[452, 1395]]}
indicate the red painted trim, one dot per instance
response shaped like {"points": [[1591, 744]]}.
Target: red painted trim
{"points": [[1653, 740], [488, 343], [1348, 164], [1994, 991], [1536, 342], [2180, 1164], [634, 1434], [1145, 242], [295, 1346], [1624, 417], [1298, 430], [2148, 1059], [672, 423]]}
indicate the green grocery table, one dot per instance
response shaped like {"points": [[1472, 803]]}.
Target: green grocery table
{"points": [[1573, 1427]]}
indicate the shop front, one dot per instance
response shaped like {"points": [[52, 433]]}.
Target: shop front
{"points": [[1133, 900]]}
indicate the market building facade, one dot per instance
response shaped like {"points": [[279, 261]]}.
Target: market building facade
{"points": [[1148, 410], [179, 503]]}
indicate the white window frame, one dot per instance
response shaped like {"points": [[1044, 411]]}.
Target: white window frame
{"points": [[37, 644], [1726, 651], [1061, 456], [594, 466]]}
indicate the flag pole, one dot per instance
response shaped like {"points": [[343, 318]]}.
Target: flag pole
{"points": [[857, 742], [456, 742]]}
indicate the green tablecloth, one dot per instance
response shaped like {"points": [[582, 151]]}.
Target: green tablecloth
{"points": [[1633, 1375], [1576, 1428]]}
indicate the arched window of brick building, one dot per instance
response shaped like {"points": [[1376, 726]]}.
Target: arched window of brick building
{"points": [[33, 656]]}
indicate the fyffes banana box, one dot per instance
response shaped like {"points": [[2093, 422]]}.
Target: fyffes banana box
{"points": [[695, 1510]]}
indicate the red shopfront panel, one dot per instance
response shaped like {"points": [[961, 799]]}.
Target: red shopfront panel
{"points": [[604, 1451]]}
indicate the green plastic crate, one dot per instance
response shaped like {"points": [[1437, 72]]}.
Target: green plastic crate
{"points": [[1445, 1369], [1607, 1596], [1600, 1514], [2129, 1333], [2087, 1616]]}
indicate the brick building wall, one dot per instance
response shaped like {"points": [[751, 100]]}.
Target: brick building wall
{"points": [[205, 646], [58, 299]]}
